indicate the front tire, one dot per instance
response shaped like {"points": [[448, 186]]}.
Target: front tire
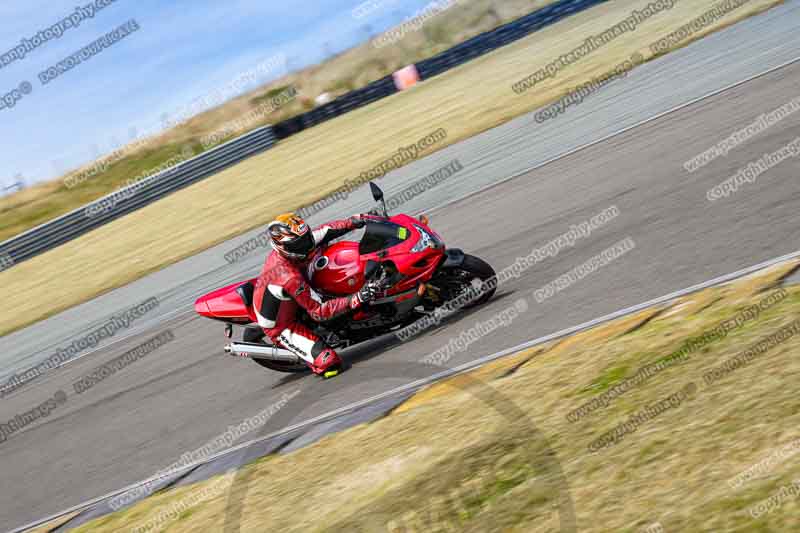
{"points": [[472, 272]]}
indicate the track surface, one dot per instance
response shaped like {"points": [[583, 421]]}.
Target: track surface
{"points": [[742, 51], [174, 400]]}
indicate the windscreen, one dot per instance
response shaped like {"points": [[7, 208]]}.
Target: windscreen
{"points": [[380, 236]]}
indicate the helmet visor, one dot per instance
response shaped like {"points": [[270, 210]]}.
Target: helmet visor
{"points": [[300, 246]]}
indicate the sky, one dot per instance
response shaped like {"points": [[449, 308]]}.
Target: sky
{"points": [[182, 51]]}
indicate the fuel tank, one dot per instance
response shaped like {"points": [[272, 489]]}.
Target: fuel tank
{"points": [[338, 270]]}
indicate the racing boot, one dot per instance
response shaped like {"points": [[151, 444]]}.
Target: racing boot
{"points": [[327, 363]]}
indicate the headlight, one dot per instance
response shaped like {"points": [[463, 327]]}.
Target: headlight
{"points": [[426, 240]]}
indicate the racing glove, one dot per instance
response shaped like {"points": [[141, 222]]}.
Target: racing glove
{"points": [[368, 292], [357, 221]]}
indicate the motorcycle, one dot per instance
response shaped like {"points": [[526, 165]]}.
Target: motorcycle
{"points": [[401, 254]]}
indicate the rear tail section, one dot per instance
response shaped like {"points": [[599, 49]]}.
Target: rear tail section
{"points": [[233, 303]]}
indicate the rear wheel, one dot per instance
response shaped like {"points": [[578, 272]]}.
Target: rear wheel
{"points": [[292, 368], [472, 274], [256, 335]]}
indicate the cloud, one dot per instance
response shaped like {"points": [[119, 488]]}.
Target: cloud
{"points": [[184, 50]]}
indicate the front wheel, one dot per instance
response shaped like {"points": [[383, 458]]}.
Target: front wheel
{"points": [[472, 274]]}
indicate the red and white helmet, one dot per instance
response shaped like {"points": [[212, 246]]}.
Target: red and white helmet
{"points": [[291, 237]]}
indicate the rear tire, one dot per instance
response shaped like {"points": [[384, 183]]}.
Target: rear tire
{"points": [[256, 335], [289, 368]]}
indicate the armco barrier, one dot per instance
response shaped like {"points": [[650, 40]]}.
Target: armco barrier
{"points": [[501, 36], [76, 223], [428, 68], [347, 102]]}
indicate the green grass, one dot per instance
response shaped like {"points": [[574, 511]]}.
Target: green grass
{"points": [[451, 462], [63, 199], [609, 377]]}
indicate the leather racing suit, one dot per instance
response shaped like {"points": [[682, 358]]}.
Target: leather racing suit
{"points": [[282, 287]]}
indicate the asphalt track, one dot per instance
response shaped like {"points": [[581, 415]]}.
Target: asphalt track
{"points": [[177, 398]]}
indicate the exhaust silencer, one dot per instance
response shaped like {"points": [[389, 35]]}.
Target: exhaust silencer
{"points": [[261, 351]]}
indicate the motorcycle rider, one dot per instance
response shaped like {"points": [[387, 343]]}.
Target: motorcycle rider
{"points": [[282, 286]]}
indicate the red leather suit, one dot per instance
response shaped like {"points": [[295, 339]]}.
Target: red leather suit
{"points": [[282, 286]]}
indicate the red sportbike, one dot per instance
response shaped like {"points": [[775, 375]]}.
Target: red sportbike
{"points": [[401, 253]]}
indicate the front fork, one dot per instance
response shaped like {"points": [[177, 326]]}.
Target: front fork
{"points": [[453, 257], [433, 297]]}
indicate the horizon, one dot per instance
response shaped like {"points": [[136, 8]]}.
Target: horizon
{"points": [[109, 99]]}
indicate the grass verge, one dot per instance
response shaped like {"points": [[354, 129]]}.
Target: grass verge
{"points": [[316, 162], [456, 458], [342, 73]]}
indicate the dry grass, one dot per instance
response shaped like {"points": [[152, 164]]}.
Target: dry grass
{"points": [[349, 70], [467, 100], [465, 456]]}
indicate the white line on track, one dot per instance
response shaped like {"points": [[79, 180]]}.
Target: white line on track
{"points": [[484, 360], [420, 383], [618, 132], [181, 312]]}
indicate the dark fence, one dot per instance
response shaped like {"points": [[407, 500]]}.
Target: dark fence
{"points": [[428, 68], [78, 222], [501, 36], [122, 202], [344, 104]]}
